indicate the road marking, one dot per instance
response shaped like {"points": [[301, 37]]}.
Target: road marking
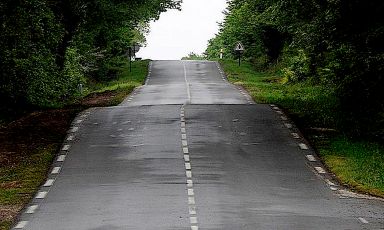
{"points": [[303, 146], [289, 126], [49, 183], [190, 183], [191, 192], [70, 138], [362, 220], [187, 84], [295, 135], [333, 188], [31, 209], [279, 112], [21, 224], [66, 147], [79, 121], [185, 150], [61, 158], [74, 129], [284, 118], [188, 173], [320, 170], [193, 219], [55, 170], [41, 195], [311, 158], [191, 200], [192, 210], [330, 183]]}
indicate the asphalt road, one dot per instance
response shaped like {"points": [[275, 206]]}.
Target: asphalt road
{"points": [[190, 151]]}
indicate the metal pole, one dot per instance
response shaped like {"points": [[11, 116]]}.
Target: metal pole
{"points": [[239, 59]]}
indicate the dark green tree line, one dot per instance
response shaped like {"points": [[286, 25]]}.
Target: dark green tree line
{"points": [[335, 43], [48, 47]]}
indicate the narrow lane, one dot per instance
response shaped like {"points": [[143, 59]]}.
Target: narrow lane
{"points": [[189, 151]]}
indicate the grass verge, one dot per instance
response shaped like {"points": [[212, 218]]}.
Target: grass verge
{"points": [[29, 144], [357, 164]]}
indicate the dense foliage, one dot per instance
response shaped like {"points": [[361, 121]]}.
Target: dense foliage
{"points": [[49, 47], [336, 43]]}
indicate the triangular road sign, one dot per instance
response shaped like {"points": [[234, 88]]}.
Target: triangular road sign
{"points": [[239, 47]]}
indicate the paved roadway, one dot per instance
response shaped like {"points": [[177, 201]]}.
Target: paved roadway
{"points": [[190, 151]]}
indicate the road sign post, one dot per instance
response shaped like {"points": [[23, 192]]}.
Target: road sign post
{"points": [[239, 49], [132, 50]]}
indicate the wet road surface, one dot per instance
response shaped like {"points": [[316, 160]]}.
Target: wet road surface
{"points": [[190, 151]]}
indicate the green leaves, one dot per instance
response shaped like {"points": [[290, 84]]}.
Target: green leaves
{"points": [[335, 43], [48, 47]]}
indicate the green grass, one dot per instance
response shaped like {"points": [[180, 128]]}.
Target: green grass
{"points": [[20, 182], [306, 102], [125, 79], [358, 164], [5, 225], [25, 178]]}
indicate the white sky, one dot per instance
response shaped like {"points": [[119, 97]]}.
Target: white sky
{"points": [[177, 33]]}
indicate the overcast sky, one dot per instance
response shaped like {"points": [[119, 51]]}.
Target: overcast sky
{"points": [[177, 33]]}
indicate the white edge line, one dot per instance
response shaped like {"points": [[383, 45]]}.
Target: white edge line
{"points": [[21, 224], [303, 146], [61, 158], [31, 209], [41, 195], [311, 158], [56, 170], [362, 220], [320, 170], [49, 183]]}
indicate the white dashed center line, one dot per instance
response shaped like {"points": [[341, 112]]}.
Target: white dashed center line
{"points": [[187, 83], [188, 173]]}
